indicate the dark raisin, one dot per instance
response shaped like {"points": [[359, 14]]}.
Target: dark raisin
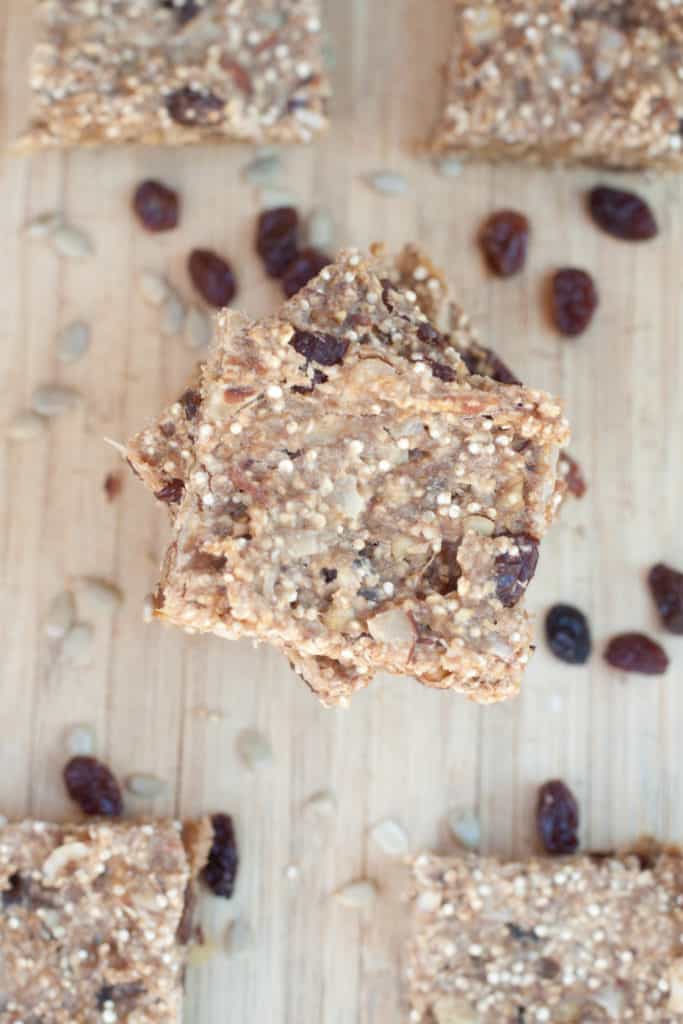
{"points": [[547, 968], [329, 575], [185, 11], [221, 868], [113, 485], [622, 214], [486, 363], [573, 475], [574, 300], [191, 400], [93, 787], [306, 265], [568, 634], [121, 995], [521, 934], [429, 334], [503, 239], [213, 277], [204, 561], [156, 206], [321, 348], [666, 585], [190, 107], [318, 378], [514, 569], [442, 371], [387, 286], [443, 572], [15, 892], [635, 652], [172, 492], [557, 818], [277, 239]]}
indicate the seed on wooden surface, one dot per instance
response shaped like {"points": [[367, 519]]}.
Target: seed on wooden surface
{"points": [[100, 592], [292, 872], [25, 426], [391, 838], [173, 315], [70, 242], [44, 225], [73, 342], [148, 609], [197, 328], [465, 827], [201, 953], [61, 615], [78, 643], [387, 183], [448, 166], [154, 287], [54, 399], [146, 786], [322, 804], [319, 229], [239, 937], [253, 749], [358, 895], [275, 198], [79, 741], [262, 169]]}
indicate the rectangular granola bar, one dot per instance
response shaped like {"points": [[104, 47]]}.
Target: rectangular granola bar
{"points": [[343, 488], [572, 940], [588, 81], [89, 919], [177, 72]]}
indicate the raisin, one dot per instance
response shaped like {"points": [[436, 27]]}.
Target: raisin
{"points": [[16, 891], [557, 818], [329, 575], [429, 334], [191, 400], [573, 475], [635, 652], [484, 362], [277, 239], [113, 485], [547, 967], [318, 378], [622, 214], [172, 492], [442, 371], [321, 348], [190, 107], [503, 239], [387, 286], [666, 585], [213, 277], [185, 11], [515, 570], [156, 206], [574, 300], [306, 265], [443, 572], [123, 994], [568, 634], [93, 787], [521, 934], [221, 868]]}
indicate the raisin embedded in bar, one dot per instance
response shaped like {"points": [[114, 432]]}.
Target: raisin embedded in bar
{"points": [[569, 81], [584, 938], [341, 486], [177, 73]]}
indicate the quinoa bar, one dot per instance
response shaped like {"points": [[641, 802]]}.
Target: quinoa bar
{"points": [[89, 922], [348, 492], [576, 81], [572, 940], [177, 72]]}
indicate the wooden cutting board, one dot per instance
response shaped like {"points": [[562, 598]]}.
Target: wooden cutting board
{"points": [[400, 751]]}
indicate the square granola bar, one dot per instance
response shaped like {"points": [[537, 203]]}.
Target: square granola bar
{"points": [[89, 920], [572, 940], [588, 81], [343, 488], [177, 71]]}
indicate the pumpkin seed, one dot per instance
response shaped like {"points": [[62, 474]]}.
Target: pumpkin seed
{"points": [[253, 749], [146, 786], [25, 426], [320, 229], [61, 615], [54, 399], [73, 342], [71, 242], [465, 827], [391, 838], [388, 183], [198, 328], [358, 895], [154, 287], [80, 741], [44, 225]]}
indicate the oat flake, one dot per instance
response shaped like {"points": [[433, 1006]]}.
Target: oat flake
{"points": [[145, 786], [154, 287], [71, 242], [25, 426], [73, 342], [390, 837], [320, 229], [358, 895], [61, 615]]}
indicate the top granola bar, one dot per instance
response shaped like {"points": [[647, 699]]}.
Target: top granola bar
{"points": [[176, 72], [587, 81]]}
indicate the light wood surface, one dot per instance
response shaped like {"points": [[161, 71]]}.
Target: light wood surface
{"points": [[400, 751]]}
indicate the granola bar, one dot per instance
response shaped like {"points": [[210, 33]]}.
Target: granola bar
{"points": [[577, 81], [573, 940], [351, 494], [177, 72], [89, 922]]}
